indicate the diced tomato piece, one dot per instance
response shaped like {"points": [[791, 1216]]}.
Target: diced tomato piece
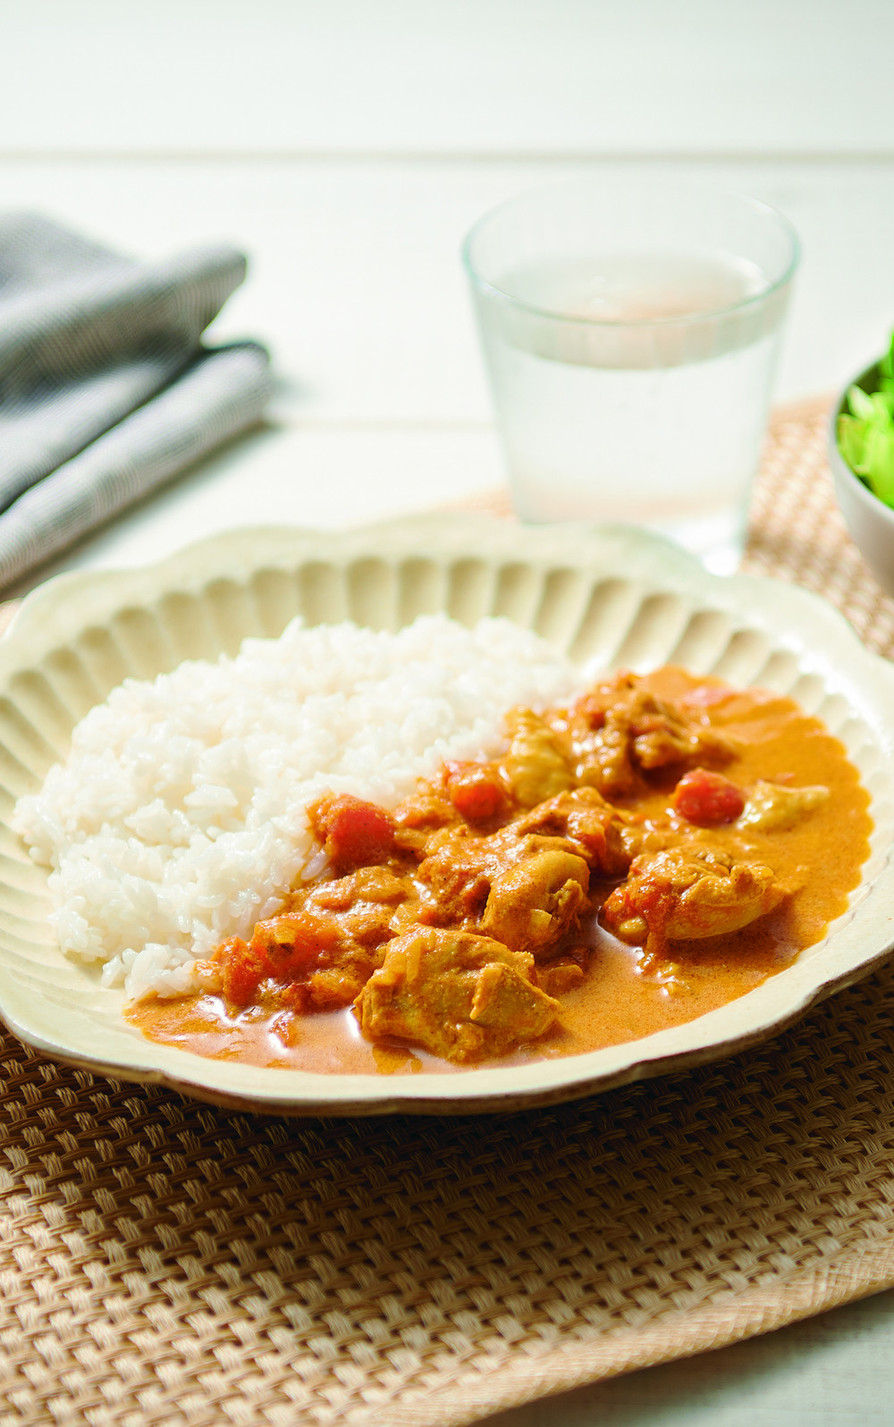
{"points": [[475, 791], [290, 944], [354, 833], [242, 969], [706, 798], [284, 949]]}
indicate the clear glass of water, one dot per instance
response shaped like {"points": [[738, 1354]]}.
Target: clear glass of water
{"points": [[631, 331]]}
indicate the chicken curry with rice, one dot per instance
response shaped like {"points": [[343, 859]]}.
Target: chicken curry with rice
{"points": [[637, 858]]}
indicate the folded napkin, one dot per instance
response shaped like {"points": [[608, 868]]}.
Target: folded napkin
{"points": [[105, 388]]}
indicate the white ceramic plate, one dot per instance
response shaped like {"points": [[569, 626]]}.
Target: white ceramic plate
{"points": [[618, 595]]}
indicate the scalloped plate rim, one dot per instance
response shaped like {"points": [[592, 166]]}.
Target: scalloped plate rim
{"points": [[82, 595]]}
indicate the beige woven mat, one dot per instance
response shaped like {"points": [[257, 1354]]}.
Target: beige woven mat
{"points": [[164, 1262]]}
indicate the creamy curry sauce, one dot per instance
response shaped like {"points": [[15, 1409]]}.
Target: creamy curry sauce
{"points": [[626, 992]]}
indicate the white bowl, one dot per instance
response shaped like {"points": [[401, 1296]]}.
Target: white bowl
{"points": [[869, 520], [619, 596]]}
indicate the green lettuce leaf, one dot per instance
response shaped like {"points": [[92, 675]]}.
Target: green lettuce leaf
{"points": [[866, 431]]}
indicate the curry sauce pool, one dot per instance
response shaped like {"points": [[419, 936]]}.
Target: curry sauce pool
{"points": [[628, 861]]}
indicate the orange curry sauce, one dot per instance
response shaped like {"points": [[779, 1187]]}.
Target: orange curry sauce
{"points": [[644, 979]]}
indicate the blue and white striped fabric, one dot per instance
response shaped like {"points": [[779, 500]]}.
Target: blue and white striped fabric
{"points": [[105, 388]]}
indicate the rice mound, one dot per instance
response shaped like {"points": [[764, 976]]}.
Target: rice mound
{"points": [[178, 818]]}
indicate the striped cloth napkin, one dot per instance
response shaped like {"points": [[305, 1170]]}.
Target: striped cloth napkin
{"points": [[105, 388]]}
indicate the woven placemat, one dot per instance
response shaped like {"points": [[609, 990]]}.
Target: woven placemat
{"points": [[166, 1262]]}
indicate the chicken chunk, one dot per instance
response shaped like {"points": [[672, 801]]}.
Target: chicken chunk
{"points": [[362, 905], [596, 829], [535, 766], [531, 905], [461, 996], [685, 893], [631, 732], [772, 807], [506, 883], [419, 818], [323, 946], [457, 872], [368, 886]]}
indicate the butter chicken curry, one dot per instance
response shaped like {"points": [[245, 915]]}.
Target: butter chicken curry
{"points": [[629, 862]]}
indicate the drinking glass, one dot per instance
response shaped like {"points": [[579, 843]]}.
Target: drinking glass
{"points": [[631, 331]]}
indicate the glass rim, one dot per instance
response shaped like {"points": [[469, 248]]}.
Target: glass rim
{"points": [[753, 300]]}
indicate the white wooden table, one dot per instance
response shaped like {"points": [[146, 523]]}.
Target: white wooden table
{"points": [[347, 147]]}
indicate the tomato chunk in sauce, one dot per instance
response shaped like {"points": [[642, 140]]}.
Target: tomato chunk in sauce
{"points": [[627, 862], [707, 799], [354, 833]]}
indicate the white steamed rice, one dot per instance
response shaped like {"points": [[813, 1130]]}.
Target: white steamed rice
{"points": [[178, 818]]}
